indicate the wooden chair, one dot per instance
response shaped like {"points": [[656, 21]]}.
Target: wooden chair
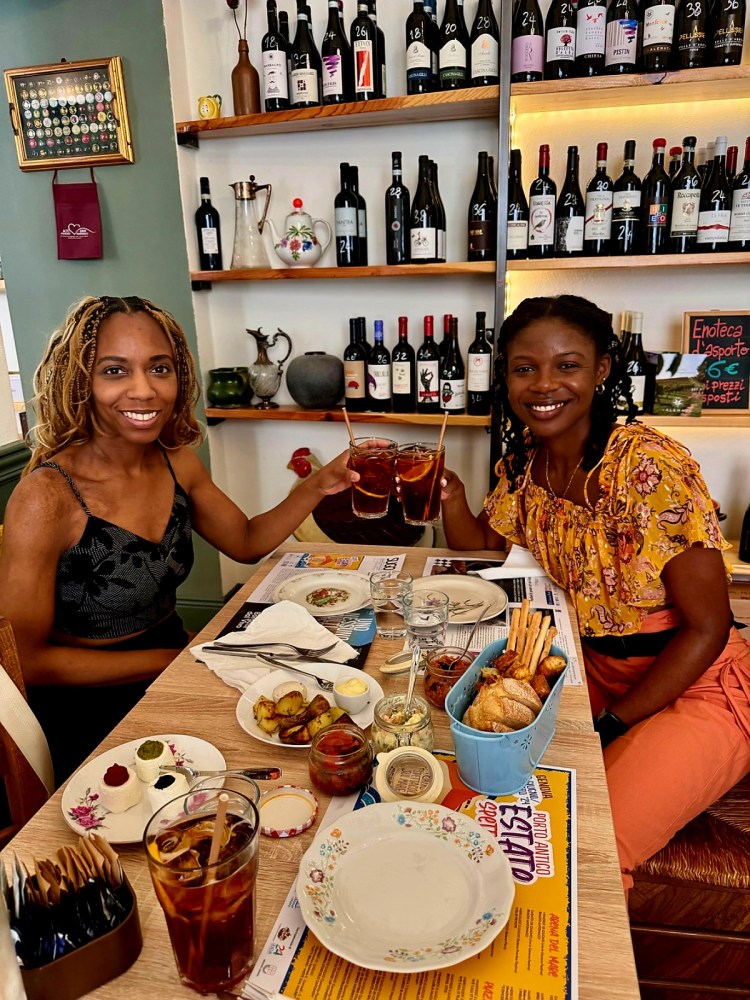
{"points": [[690, 907], [24, 792]]}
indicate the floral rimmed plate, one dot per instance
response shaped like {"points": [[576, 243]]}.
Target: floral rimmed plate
{"points": [[82, 809], [467, 596], [405, 887], [326, 592]]}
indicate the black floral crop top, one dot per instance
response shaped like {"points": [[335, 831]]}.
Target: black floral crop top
{"points": [[114, 583]]}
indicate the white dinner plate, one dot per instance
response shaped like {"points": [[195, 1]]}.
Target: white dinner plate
{"points": [[452, 877], [329, 671], [82, 810], [467, 596], [326, 592]]}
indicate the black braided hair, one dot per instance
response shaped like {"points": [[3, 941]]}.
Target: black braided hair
{"points": [[595, 324]]}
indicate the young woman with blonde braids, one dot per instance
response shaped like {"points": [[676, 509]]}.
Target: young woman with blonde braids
{"points": [[98, 532]]}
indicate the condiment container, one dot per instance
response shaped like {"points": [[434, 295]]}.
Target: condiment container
{"points": [[391, 727], [411, 773], [340, 759], [439, 676]]}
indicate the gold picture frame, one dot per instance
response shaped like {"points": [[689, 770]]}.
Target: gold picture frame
{"points": [[69, 114]]}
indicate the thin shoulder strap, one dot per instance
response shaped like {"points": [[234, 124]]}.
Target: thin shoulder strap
{"points": [[64, 474], [169, 465]]}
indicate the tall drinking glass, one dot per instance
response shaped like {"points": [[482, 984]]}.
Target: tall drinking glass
{"points": [[209, 907], [388, 589], [426, 617], [373, 459], [419, 467]]}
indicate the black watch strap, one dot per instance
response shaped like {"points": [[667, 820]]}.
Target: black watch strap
{"points": [[609, 726]]}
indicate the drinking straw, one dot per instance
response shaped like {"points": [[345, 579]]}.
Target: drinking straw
{"points": [[348, 425], [221, 812], [442, 431]]}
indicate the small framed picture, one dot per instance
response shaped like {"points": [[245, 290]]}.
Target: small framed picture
{"points": [[70, 114]]}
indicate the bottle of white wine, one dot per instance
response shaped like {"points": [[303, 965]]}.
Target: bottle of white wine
{"points": [[454, 47], [424, 218], [485, 42]]}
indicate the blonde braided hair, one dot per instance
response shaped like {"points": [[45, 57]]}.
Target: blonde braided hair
{"points": [[62, 382]]}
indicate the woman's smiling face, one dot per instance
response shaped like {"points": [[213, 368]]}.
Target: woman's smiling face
{"points": [[552, 372]]}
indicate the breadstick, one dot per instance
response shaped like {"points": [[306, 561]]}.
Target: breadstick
{"points": [[525, 605], [539, 644], [534, 625], [548, 642], [513, 635]]}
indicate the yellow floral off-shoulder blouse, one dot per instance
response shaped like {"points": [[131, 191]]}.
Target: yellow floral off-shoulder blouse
{"points": [[652, 505]]}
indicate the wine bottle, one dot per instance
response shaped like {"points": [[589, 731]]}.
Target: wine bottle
{"points": [[482, 216], [404, 371], [430, 9], [591, 37], [686, 198], [380, 73], [355, 371], [336, 54], [491, 168], [361, 214], [635, 361], [362, 336], [708, 164], [739, 227], [284, 29], [442, 234], [305, 64], [569, 212], [345, 210], [452, 375], [626, 208], [542, 199], [379, 393], [621, 404], [428, 371], [527, 54], [560, 28], [597, 230], [658, 32], [424, 218], [657, 195], [208, 228], [715, 205], [690, 48], [728, 32], [744, 552], [485, 46], [675, 160], [479, 372], [732, 153], [453, 56], [397, 211], [621, 40], [418, 51], [274, 57], [443, 347], [518, 211], [364, 51]]}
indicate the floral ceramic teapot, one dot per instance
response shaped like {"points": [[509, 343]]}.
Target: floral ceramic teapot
{"points": [[299, 246]]}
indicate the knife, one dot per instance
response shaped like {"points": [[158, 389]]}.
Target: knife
{"points": [[258, 655]]}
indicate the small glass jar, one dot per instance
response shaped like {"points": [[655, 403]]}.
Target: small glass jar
{"points": [[391, 728], [440, 676], [340, 759]]}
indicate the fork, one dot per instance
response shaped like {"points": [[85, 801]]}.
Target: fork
{"points": [[303, 650], [323, 684]]}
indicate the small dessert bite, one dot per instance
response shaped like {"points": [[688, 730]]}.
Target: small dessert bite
{"points": [[119, 789], [149, 757], [166, 787]]}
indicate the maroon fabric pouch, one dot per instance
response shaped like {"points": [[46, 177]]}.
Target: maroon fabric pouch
{"points": [[78, 220]]}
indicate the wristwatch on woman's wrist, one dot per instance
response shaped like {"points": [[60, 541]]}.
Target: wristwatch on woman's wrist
{"points": [[609, 726]]}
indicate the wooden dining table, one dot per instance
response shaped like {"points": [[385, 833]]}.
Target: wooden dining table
{"points": [[189, 699]]}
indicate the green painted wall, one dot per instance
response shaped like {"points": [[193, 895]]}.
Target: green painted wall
{"points": [[144, 244]]}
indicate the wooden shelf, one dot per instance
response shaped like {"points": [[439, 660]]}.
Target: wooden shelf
{"points": [[660, 260], [292, 412], [462, 268]]}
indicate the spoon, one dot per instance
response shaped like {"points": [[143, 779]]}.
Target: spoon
{"points": [[416, 653], [191, 773], [463, 652]]}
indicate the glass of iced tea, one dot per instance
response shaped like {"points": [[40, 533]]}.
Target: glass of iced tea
{"points": [[209, 908], [373, 459], [419, 467]]}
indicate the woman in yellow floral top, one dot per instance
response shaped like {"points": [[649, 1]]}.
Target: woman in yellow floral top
{"points": [[621, 518]]}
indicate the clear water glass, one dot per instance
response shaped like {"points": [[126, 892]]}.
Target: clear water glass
{"points": [[387, 590], [426, 618]]}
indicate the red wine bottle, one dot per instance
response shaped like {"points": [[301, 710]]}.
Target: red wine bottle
{"points": [[404, 371], [397, 216], [560, 28], [305, 86], [626, 208], [482, 222], [419, 41], [675, 160], [542, 201], [716, 205], [686, 198], [518, 211], [428, 371], [527, 55], [485, 46], [361, 214], [442, 234], [597, 228], [379, 393], [453, 375], [364, 51], [443, 347], [453, 56], [424, 218], [621, 41], [591, 34], [208, 227], [739, 229], [355, 371], [336, 55], [732, 154], [690, 48], [345, 209], [569, 212], [479, 372], [430, 9], [658, 32], [655, 203], [284, 28], [635, 361], [728, 32], [274, 56], [380, 74]]}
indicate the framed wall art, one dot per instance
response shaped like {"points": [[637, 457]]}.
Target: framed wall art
{"points": [[69, 114]]}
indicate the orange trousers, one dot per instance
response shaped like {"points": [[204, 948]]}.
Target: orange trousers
{"points": [[669, 767]]}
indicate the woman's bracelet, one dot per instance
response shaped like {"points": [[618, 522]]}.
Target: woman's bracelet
{"points": [[609, 726]]}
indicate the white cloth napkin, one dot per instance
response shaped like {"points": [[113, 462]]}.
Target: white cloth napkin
{"points": [[282, 622]]}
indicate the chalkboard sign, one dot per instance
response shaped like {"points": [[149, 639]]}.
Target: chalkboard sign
{"points": [[725, 338]]}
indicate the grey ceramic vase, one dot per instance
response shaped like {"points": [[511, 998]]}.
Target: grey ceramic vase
{"points": [[315, 380]]}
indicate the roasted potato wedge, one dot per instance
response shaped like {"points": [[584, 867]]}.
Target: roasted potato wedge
{"points": [[318, 705], [264, 708], [272, 725], [291, 703], [295, 736], [325, 720]]}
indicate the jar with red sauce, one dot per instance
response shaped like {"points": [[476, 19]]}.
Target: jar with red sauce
{"points": [[340, 759], [443, 668]]}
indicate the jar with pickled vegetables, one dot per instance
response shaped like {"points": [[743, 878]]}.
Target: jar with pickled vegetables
{"points": [[340, 759], [392, 727], [443, 668]]}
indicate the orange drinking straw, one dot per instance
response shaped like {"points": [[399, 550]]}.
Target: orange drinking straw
{"points": [[348, 425], [442, 431], [221, 813]]}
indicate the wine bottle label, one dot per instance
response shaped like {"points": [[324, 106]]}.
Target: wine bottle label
{"points": [[418, 62], [275, 84], [569, 233], [685, 205], [345, 221], [518, 234], [626, 205], [428, 381], [485, 57], [740, 224], [440, 242], [561, 44], [354, 379], [362, 223], [423, 244], [692, 41], [452, 62], [598, 223], [541, 220], [304, 86], [527, 55], [728, 37], [210, 240], [480, 235], [657, 214], [591, 23], [658, 27], [478, 371], [401, 377], [379, 381], [364, 77], [333, 78], [713, 226], [621, 42], [638, 390], [452, 394]]}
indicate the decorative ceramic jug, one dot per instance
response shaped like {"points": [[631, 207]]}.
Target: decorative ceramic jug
{"points": [[299, 246], [229, 388], [265, 376]]}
